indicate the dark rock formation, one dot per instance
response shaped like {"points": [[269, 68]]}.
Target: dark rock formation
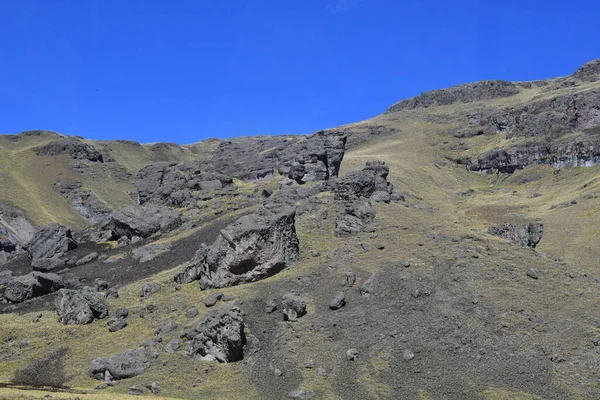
{"points": [[254, 247], [589, 71], [132, 362], [140, 221], [467, 93], [528, 234], [79, 307], [354, 190], [175, 184], [72, 147], [218, 335], [84, 200], [49, 245], [32, 285], [581, 151], [293, 307]]}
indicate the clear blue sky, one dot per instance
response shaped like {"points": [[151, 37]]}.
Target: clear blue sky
{"points": [[184, 70]]}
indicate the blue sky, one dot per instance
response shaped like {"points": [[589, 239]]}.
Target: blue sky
{"points": [[186, 70]]}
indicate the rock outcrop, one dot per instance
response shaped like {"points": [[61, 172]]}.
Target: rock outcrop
{"points": [[589, 71], [254, 247], [467, 93], [528, 234], [218, 335], [354, 192], [49, 246], [72, 147], [132, 362], [141, 221], [79, 307], [32, 285]]}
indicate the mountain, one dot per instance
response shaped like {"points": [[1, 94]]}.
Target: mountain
{"points": [[445, 249]]}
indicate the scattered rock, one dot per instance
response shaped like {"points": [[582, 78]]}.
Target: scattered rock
{"points": [[351, 354], [135, 391], [121, 313], [117, 325], [154, 388], [254, 247], [100, 285], [350, 279], [169, 326], [79, 307], [191, 312], [128, 364], [173, 345], [532, 273], [218, 335], [301, 394], [112, 293], [149, 289], [37, 318], [338, 301], [213, 299], [294, 307], [271, 306]]}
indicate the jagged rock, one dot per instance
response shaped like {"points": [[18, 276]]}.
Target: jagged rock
{"points": [[132, 362], [370, 286], [356, 215], [79, 307], [5, 277], [254, 247], [364, 183], [48, 247], [173, 345], [294, 307], [338, 301], [7, 245], [149, 289], [350, 279], [72, 147], [32, 285], [528, 234], [318, 158], [140, 221], [87, 259], [466, 93], [172, 184], [218, 335], [83, 200], [213, 299]]}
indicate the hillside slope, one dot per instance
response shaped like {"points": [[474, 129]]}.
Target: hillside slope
{"points": [[442, 308]]}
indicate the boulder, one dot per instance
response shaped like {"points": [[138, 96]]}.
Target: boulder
{"points": [[49, 245], [218, 335], [79, 307], [140, 221], [527, 234], [213, 299], [254, 247], [149, 289], [294, 307], [32, 285], [128, 364], [353, 217], [87, 259], [338, 301]]}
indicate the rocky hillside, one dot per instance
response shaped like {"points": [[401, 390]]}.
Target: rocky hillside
{"points": [[445, 249]]}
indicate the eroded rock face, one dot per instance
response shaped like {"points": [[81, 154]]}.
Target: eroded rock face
{"points": [[218, 336], [467, 93], [140, 221], [254, 247], [72, 147], [79, 307], [32, 285], [132, 362], [318, 158], [528, 234], [49, 245], [175, 184]]}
